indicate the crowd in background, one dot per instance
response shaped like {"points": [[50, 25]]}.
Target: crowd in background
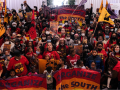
{"points": [[100, 41]]}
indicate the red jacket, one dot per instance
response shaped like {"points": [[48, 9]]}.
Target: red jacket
{"points": [[54, 53], [19, 66], [67, 29], [67, 48], [103, 55], [72, 60], [116, 55]]}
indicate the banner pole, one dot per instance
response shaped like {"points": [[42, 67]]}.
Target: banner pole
{"points": [[74, 10]]}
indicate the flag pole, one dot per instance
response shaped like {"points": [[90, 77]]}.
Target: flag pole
{"points": [[74, 10]]}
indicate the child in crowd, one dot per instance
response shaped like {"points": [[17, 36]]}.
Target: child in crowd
{"points": [[7, 53], [62, 64], [49, 77], [33, 71], [80, 64], [12, 74], [47, 56], [93, 67]]}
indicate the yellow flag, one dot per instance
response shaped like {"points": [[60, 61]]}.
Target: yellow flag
{"points": [[104, 17], [106, 4], [101, 7], [5, 14], [2, 30]]}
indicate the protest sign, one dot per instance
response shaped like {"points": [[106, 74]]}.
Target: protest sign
{"points": [[54, 26], [20, 15], [37, 82], [77, 79], [29, 16], [78, 49], [43, 64], [6, 47], [66, 14]]}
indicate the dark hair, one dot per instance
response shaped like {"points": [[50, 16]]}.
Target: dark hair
{"points": [[32, 67], [111, 40], [94, 50], [99, 36], [12, 71], [49, 69], [17, 53], [112, 61], [17, 40], [93, 62], [71, 51], [63, 59], [99, 43], [28, 49], [79, 62]]}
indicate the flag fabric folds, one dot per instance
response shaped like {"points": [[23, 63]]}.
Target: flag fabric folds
{"points": [[32, 31], [104, 17], [101, 7], [5, 14], [82, 2], [112, 14], [106, 4]]}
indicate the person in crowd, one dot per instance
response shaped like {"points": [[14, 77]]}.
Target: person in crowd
{"points": [[62, 49], [49, 50], [8, 43], [69, 41], [101, 52], [33, 71], [62, 64], [47, 57], [49, 77], [95, 57], [110, 44], [72, 59], [18, 46], [80, 64], [19, 63], [12, 74], [115, 67], [87, 47], [116, 52]]}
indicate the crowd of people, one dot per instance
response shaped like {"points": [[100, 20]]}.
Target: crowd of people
{"points": [[19, 56]]}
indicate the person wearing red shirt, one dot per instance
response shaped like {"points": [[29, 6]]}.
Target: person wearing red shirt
{"points": [[101, 52], [110, 44], [67, 27], [72, 58], [115, 66], [51, 52], [1, 70], [62, 49], [116, 52], [18, 63]]}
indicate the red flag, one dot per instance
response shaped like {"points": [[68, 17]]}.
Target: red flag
{"points": [[32, 31]]}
